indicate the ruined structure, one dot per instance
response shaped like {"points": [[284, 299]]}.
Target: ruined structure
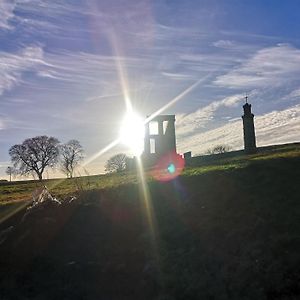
{"points": [[249, 131], [159, 138]]}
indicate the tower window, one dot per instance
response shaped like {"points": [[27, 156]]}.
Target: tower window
{"points": [[153, 128], [165, 126], [152, 146]]}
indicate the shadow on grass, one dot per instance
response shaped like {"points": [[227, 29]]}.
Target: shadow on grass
{"points": [[224, 234]]}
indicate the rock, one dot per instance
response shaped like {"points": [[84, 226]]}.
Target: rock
{"points": [[41, 199], [42, 195], [72, 199]]}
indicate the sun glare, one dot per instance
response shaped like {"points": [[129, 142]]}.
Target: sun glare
{"points": [[132, 133]]}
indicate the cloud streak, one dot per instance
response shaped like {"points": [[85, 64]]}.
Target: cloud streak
{"points": [[12, 66], [6, 13], [269, 66], [190, 123]]}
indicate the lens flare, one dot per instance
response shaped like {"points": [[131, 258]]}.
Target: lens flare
{"points": [[168, 167], [171, 168]]}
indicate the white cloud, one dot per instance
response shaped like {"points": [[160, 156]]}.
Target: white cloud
{"points": [[225, 44], [229, 134], [83, 67], [277, 127], [6, 13], [294, 94], [208, 62], [129, 23], [66, 69], [12, 66], [267, 67], [178, 76], [187, 124]]}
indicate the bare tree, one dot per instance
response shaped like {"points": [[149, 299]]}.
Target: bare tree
{"points": [[34, 155], [71, 154], [116, 163], [11, 171], [218, 149]]}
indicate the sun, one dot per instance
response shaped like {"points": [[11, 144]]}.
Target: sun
{"points": [[132, 133]]}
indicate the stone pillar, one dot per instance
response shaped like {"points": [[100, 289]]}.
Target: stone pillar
{"points": [[249, 130], [171, 133]]}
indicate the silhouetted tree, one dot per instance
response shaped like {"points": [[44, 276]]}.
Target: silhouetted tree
{"points": [[116, 163], [219, 149], [11, 171], [34, 155], [71, 154]]}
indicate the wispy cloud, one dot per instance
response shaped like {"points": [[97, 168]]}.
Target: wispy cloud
{"points": [[207, 62], [6, 13], [279, 126], [190, 123], [178, 76], [268, 66], [12, 66], [91, 20], [225, 44], [66, 69], [294, 95], [83, 67]]}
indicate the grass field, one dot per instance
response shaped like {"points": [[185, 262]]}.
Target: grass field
{"points": [[227, 230], [22, 191]]}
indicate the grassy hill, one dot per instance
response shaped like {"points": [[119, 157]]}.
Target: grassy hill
{"points": [[16, 191], [228, 229]]}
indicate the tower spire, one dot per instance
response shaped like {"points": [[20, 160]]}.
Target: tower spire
{"points": [[246, 98]]}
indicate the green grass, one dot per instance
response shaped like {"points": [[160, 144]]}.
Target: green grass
{"points": [[22, 191], [205, 169]]}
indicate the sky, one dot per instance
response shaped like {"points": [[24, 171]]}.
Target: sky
{"points": [[62, 65]]}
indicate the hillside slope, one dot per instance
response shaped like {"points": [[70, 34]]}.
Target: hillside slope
{"points": [[223, 234]]}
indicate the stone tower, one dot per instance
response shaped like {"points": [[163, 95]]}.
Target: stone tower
{"points": [[249, 131], [160, 137]]}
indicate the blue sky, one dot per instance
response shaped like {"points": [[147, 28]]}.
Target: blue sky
{"points": [[59, 70]]}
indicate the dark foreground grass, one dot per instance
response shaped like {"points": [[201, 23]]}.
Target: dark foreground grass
{"points": [[224, 233]]}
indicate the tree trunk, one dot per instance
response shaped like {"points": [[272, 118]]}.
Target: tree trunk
{"points": [[40, 175]]}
